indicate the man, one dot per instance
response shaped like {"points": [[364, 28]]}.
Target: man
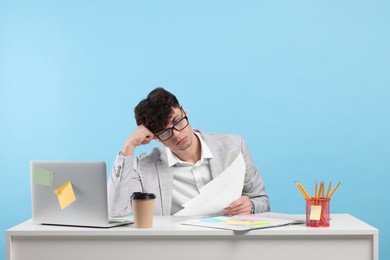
{"points": [[187, 161]]}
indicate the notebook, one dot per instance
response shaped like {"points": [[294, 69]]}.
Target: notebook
{"points": [[70, 193]]}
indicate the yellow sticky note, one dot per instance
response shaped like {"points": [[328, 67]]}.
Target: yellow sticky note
{"points": [[315, 212], [238, 222], [65, 194]]}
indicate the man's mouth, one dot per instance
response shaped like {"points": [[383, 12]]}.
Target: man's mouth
{"points": [[181, 141]]}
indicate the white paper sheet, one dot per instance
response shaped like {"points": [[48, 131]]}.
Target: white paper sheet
{"points": [[218, 193]]}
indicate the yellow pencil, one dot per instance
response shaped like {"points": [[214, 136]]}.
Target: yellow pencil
{"points": [[334, 189], [303, 191], [327, 193]]}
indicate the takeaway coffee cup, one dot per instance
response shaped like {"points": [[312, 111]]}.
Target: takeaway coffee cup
{"points": [[143, 206]]}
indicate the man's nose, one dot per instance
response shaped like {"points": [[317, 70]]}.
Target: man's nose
{"points": [[175, 132]]}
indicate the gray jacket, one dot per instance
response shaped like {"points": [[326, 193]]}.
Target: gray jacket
{"points": [[150, 173]]}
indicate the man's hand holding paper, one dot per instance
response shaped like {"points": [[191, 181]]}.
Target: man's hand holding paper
{"points": [[242, 206], [224, 192]]}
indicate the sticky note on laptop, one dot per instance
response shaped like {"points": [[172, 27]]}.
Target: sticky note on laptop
{"points": [[65, 194], [43, 177]]}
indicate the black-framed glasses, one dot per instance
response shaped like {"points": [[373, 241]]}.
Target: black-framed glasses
{"points": [[178, 126]]}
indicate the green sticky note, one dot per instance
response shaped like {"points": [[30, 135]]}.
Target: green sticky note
{"points": [[261, 223], [43, 177]]}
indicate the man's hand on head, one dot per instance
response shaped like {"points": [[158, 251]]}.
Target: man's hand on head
{"points": [[140, 136]]}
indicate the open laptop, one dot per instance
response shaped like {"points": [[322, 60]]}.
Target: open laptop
{"points": [[70, 193]]}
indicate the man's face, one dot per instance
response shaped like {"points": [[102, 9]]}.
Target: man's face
{"points": [[180, 140]]}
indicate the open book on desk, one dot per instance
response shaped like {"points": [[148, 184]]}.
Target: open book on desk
{"points": [[247, 222]]}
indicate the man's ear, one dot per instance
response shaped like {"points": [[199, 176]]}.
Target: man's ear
{"points": [[156, 139]]}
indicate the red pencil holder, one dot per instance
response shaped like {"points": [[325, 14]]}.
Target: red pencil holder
{"points": [[318, 212]]}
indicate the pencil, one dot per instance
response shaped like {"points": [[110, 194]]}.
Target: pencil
{"points": [[303, 191], [334, 189], [320, 191], [327, 193]]}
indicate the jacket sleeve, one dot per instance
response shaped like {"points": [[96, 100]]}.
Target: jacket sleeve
{"points": [[254, 186], [122, 182]]}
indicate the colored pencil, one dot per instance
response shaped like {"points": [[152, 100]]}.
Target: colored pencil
{"points": [[334, 189], [327, 193]]}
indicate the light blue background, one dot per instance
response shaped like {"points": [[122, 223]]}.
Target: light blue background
{"points": [[305, 82]]}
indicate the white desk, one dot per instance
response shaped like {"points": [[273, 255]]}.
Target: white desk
{"points": [[346, 238]]}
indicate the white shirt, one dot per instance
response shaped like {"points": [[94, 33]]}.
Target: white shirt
{"points": [[188, 178]]}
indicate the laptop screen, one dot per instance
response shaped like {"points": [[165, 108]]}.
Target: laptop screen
{"points": [[69, 193]]}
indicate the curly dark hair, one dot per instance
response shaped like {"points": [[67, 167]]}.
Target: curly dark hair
{"points": [[155, 111]]}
